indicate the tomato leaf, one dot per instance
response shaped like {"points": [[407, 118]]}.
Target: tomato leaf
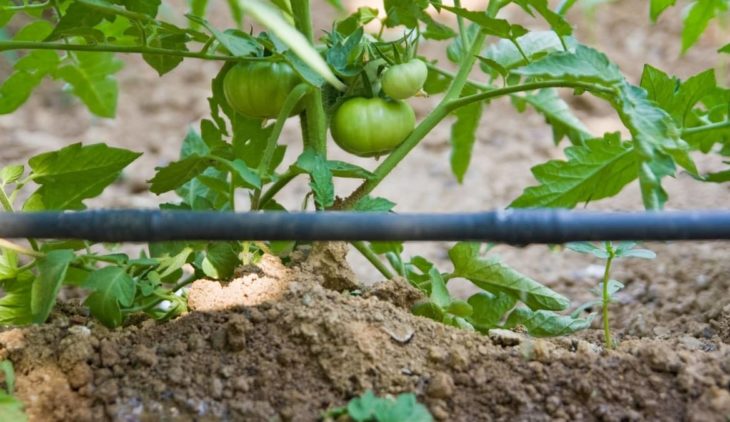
{"points": [[15, 305], [534, 44], [463, 136], [558, 115], [343, 169], [147, 7], [490, 274], [29, 70], [491, 26], [320, 177], [51, 273], [221, 259], [164, 63], [657, 7], [543, 323], [725, 49], [74, 173], [701, 12], [489, 309], [111, 287], [370, 204], [556, 22], [178, 173], [599, 169], [439, 293], [584, 64], [90, 78]]}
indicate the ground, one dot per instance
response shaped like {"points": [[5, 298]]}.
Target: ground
{"points": [[288, 348]]}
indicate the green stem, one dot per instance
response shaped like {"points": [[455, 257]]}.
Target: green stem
{"points": [[452, 75], [564, 6], [494, 93], [373, 259], [289, 104], [6, 244], [606, 297], [706, 128], [26, 7], [462, 29], [5, 201], [123, 49], [315, 127], [280, 183]]}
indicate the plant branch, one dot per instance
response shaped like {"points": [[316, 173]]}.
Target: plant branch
{"points": [[460, 23], [494, 93], [280, 183], [6, 244], [26, 7], [123, 49], [372, 258], [706, 128]]}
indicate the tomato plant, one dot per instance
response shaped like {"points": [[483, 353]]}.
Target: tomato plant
{"points": [[371, 126], [346, 81]]}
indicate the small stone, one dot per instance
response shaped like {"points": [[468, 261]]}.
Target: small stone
{"points": [[441, 386], [436, 354], [505, 337], [691, 343]]}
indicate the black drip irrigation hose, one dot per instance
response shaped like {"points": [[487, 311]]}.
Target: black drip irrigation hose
{"points": [[517, 227]]}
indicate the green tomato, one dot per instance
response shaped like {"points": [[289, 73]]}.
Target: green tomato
{"points": [[371, 126], [404, 80], [259, 89]]}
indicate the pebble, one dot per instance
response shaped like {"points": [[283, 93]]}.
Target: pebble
{"points": [[505, 337], [441, 386]]}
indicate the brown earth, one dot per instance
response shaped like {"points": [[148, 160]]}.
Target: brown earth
{"points": [[289, 348]]}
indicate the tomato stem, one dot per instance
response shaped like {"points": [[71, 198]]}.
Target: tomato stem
{"points": [[706, 128], [372, 257], [608, 340]]}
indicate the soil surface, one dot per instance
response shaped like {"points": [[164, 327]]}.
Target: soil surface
{"points": [[282, 343]]}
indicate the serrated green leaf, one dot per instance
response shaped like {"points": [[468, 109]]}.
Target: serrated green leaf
{"points": [[599, 169], [362, 408], [147, 7], [347, 170], [15, 305], [657, 7], [559, 116], [701, 12], [112, 287], [320, 177], [89, 76], [11, 174], [77, 15], [463, 136], [237, 43], [51, 273], [584, 64], [245, 174], [677, 97], [489, 309], [371, 204], [534, 44], [74, 173], [559, 25], [178, 173], [164, 63], [404, 12], [587, 248], [404, 408], [221, 259], [490, 274], [491, 26], [547, 324]]}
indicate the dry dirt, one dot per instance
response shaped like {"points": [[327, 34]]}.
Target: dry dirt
{"points": [[276, 345]]}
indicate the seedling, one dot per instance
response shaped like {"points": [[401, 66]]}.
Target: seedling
{"points": [[370, 408], [608, 287], [11, 409]]}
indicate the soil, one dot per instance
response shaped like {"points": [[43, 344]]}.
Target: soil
{"points": [[280, 343]]}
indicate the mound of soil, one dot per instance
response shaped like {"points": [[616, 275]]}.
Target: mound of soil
{"points": [[274, 344]]}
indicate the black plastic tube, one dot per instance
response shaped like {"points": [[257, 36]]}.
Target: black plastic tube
{"points": [[511, 226]]}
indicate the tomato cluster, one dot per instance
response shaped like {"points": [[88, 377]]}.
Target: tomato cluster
{"points": [[362, 126]]}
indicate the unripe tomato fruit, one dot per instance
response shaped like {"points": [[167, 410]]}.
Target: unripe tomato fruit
{"points": [[371, 126], [259, 89], [404, 80]]}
